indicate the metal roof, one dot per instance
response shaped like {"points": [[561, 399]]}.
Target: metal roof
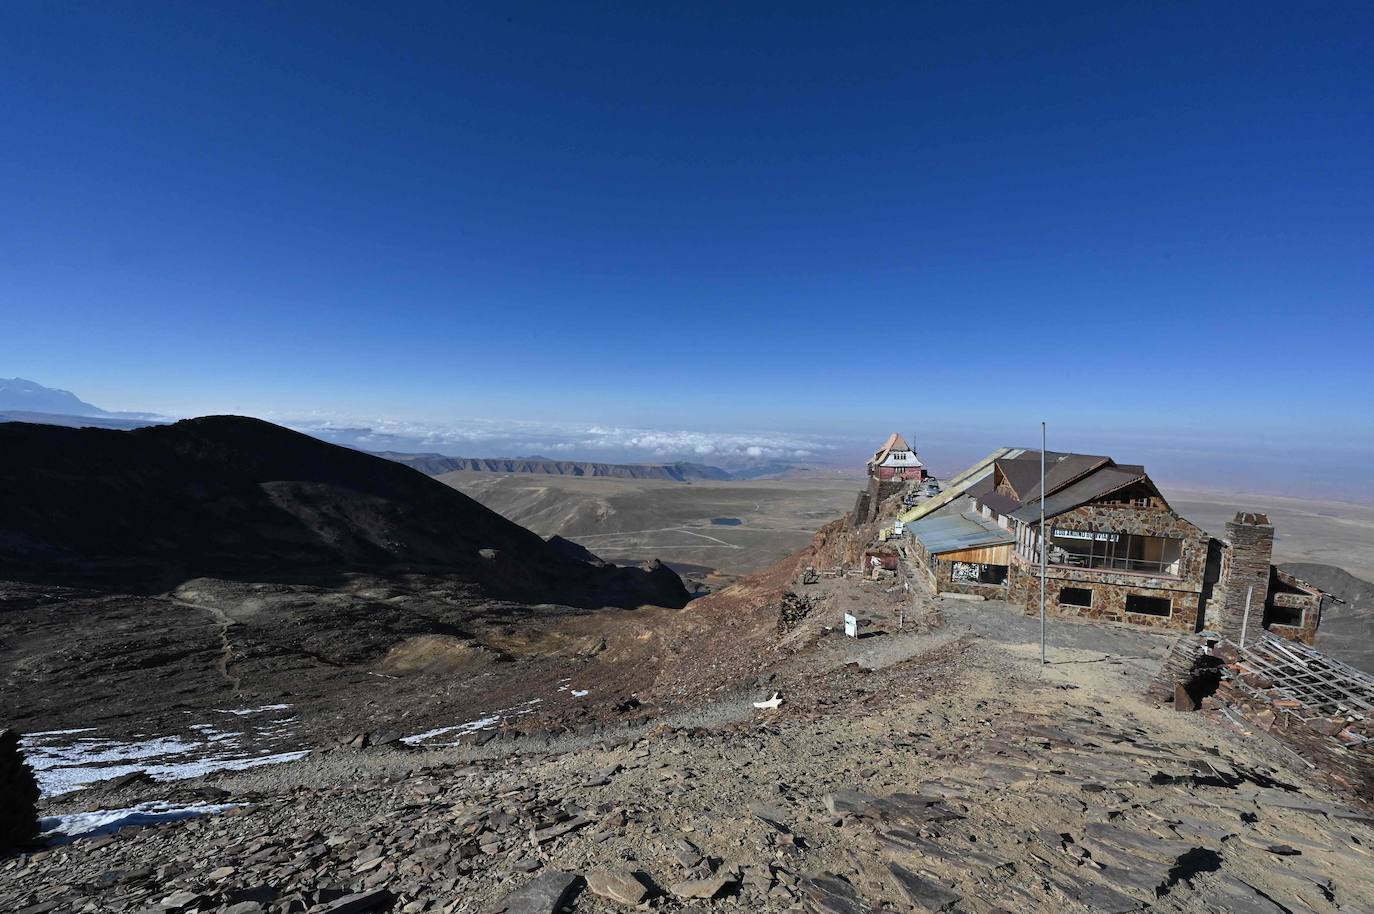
{"points": [[1092, 486], [957, 486], [952, 532]]}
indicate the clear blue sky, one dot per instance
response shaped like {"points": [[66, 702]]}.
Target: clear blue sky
{"points": [[1155, 220]]}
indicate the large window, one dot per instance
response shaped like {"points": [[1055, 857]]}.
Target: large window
{"points": [[978, 573], [1149, 606], [1106, 551], [1075, 596]]}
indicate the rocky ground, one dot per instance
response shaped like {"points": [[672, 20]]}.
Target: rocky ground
{"points": [[935, 767]]}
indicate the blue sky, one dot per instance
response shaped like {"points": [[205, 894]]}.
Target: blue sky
{"points": [[1151, 226]]}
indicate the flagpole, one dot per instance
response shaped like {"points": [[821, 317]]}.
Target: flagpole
{"points": [[1042, 544]]}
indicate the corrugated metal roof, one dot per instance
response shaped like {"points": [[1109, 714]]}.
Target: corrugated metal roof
{"points": [[952, 532]]}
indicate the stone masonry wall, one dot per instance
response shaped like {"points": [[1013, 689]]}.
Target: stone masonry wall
{"points": [[1252, 549], [1110, 588], [1281, 593]]}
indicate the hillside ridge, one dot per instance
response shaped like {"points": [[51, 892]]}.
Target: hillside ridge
{"points": [[436, 464]]}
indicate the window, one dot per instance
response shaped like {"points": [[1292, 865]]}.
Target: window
{"points": [[1075, 596], [1109, 551], [977, 573], [1148, 606], [1283, 615]]}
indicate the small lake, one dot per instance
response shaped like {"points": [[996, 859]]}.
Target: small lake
{"points": [[726, 521]]}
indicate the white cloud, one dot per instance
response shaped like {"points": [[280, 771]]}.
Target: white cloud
{"points": [[493, 438]]}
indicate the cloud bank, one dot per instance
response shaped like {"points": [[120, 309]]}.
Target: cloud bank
{"points": [[493, 438]]}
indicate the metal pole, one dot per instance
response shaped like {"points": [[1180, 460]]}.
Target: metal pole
{"points": [[1245, 619], [1042, 544]]}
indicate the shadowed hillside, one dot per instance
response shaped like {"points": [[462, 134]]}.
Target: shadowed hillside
{"points": [[229, 496]]}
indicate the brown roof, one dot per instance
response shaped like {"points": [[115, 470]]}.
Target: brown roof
{"points": [[1102, 481], [1061, 469], [894, 442], [1002, 504]]}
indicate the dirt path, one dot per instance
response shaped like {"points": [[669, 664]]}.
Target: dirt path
{"points": [[226, 647]]}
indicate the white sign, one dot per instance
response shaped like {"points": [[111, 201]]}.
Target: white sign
{"points": [[851, 626], [1086, 535]]}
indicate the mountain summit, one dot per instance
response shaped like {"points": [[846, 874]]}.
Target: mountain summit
{"points": [[30, 396]]}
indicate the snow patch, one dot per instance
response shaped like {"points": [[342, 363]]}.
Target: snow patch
{"points": [[69, 760], [481, 723], [243, 712], [104, 821]]}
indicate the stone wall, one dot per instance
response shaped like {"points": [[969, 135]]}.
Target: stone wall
{"points": [[1111, 588], [1287, 593]]}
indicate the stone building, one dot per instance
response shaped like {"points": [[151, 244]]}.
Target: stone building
{"points": [[1253, 592], [1115, 551]]}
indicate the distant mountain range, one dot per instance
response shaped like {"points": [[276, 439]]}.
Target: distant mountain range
{"points": [[22, 400], [436, 464], [30, 396]]}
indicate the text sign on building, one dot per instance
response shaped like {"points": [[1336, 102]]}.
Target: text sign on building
{"points": [[851, 625], [1086, 535]]}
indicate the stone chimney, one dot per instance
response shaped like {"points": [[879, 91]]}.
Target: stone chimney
{"points": [[1252, 550]]}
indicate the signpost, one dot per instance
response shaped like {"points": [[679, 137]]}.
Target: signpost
{"points": [[851, 625]]}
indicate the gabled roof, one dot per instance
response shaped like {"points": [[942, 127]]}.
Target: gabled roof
{"points": [[1023, 472], [1066, 470], [1103, 481], [894, 442]]}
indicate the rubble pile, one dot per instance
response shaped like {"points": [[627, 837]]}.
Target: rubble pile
{"points": [[1336, 736], [18, 794], [792, 609], [1314, 705]]}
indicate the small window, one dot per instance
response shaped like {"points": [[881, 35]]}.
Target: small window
{"points": [[1283, 615], [1148, 606], [1075, 596]]}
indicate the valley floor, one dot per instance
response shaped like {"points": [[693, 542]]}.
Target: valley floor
{"points": [[938, 767]]}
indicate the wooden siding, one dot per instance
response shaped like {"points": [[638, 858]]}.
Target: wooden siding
{"points": [[983, 555]]}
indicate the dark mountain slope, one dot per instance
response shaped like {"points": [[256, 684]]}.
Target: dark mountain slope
{"points": [[436, 464], [231, 496]]}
